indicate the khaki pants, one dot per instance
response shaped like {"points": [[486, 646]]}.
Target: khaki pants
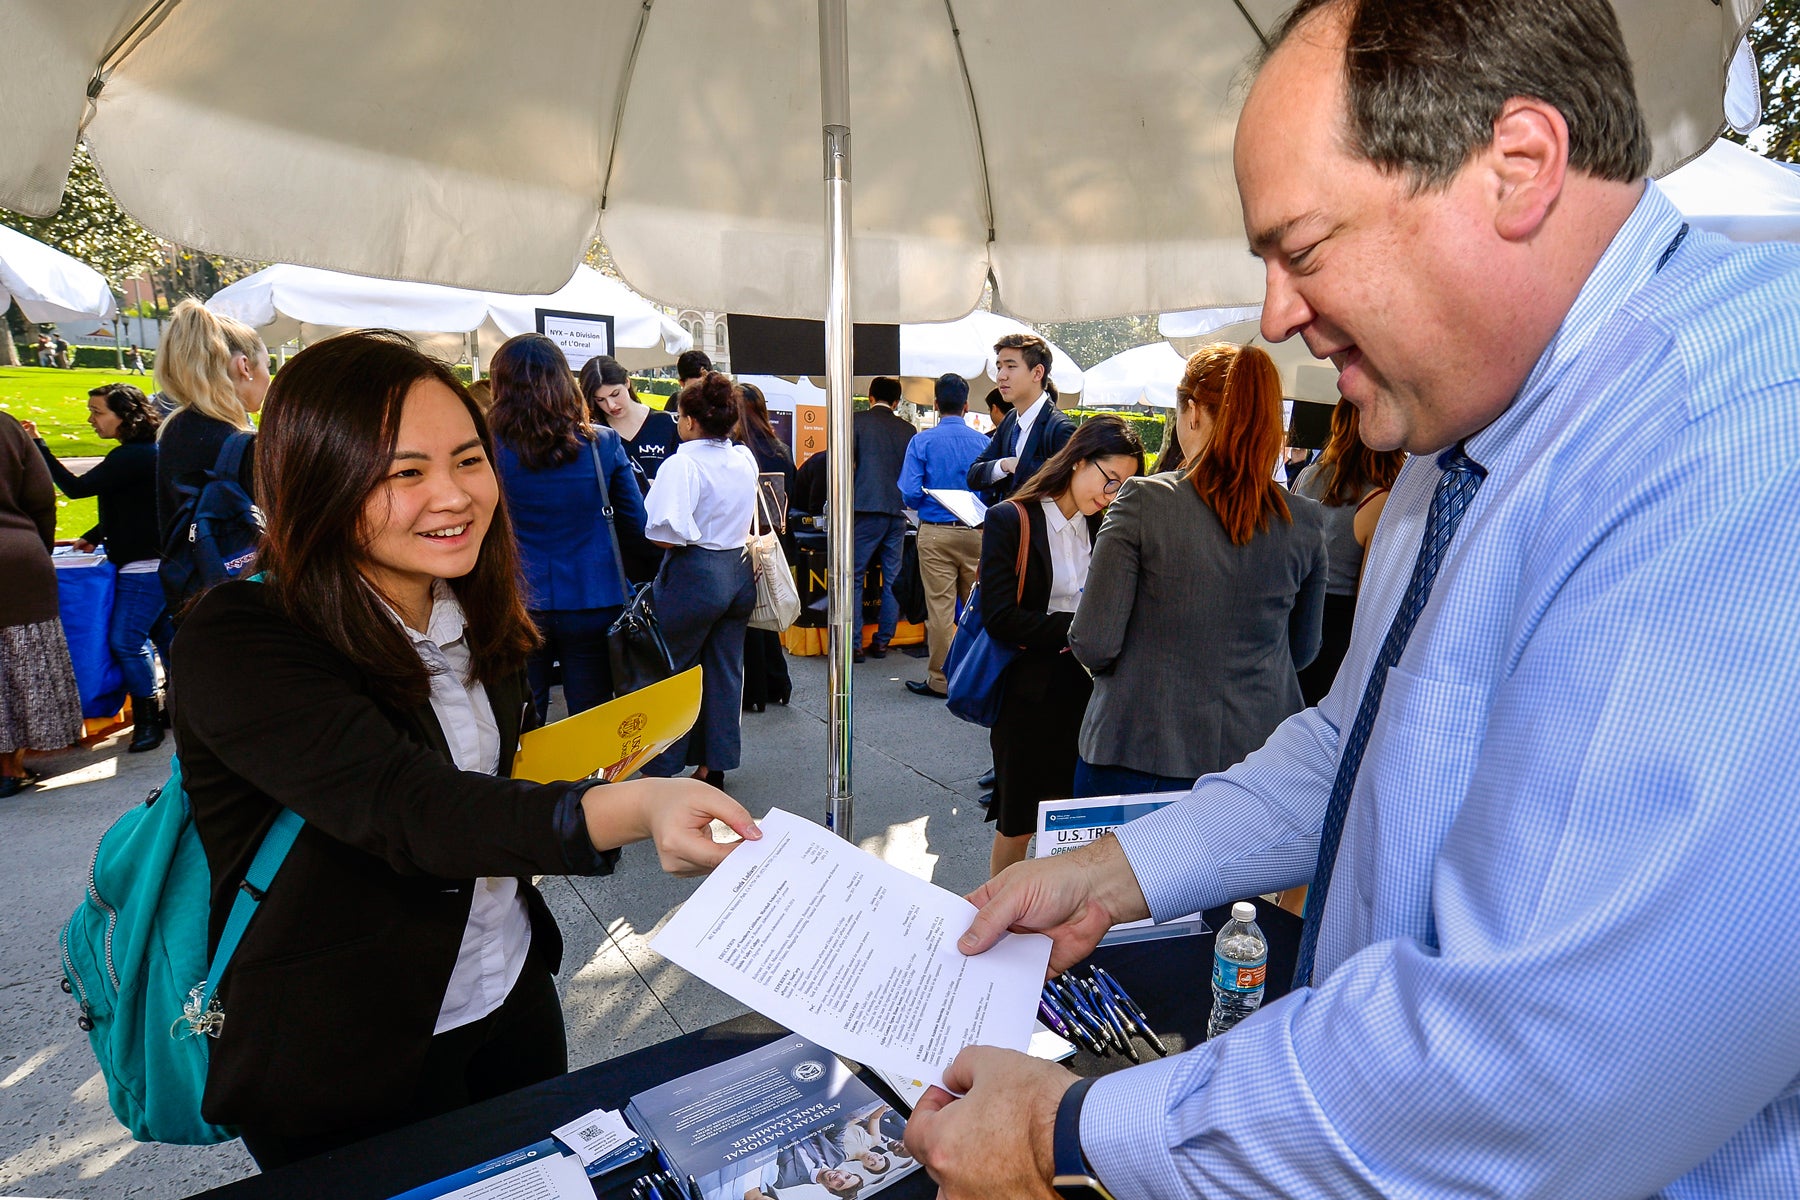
{"points": [[949, 563]]}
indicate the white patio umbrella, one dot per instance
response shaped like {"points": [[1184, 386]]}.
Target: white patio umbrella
{"points": [[1738, 193], [454, 142], [1188, 331], [966, 347], [1146, 375], [49, 285], [285, 302]]}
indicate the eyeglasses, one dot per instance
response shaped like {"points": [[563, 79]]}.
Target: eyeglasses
{"points": [[1113, 483]]}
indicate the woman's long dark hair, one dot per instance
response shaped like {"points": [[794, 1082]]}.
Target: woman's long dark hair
{"points": [[1097, 437], [754, 428], [1353, 469], [138, 417], [537, 411], [603, 370], [325, 443]]}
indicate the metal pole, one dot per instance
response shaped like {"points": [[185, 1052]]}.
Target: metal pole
{"points": [[845, 597], [474, 341]]}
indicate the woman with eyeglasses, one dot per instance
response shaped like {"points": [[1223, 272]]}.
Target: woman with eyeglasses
{"points": [[1044, 691], [1206, 593]]}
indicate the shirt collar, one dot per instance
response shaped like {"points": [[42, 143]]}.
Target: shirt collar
{"points": [[957, 418], [1053, 514], [1629, 262], [1029, 413], [445, 625]]}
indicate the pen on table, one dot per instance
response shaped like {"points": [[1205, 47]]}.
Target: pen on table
{"points": [[1064, 1023], [651, 1191], [694, 1190], [1133, 1007], [1077, 1004], [1046, 1011], [1072, 1013], [656, 1155], [1090, 994], [1118, 1019]]}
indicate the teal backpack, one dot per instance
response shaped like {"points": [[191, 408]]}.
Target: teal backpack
{"points": [[134, 957]]}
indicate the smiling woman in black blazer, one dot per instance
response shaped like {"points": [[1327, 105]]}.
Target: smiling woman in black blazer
{"points": [[1044, 691], [374, 684]]}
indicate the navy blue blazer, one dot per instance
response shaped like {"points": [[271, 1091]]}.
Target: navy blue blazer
{"points": [[556, 515]]}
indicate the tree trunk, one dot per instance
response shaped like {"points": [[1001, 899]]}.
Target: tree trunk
{"points": [[9, 353]]}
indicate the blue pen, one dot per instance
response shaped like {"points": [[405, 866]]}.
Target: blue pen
{"points": [[1132, 1007], [1113, 1014], [1050, 1017], [1077, 1006], [1070, 1028], [1072, 988]]}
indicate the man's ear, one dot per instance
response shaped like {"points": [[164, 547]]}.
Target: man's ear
{"points": [[1529, 163]]}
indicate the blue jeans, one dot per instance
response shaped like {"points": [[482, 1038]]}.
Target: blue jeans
{"points": [[879, 533], [575, 637], [1091, 780], [139, 618]]}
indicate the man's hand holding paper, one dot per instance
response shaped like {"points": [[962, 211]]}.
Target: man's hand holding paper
{"points": [[854, 953]]}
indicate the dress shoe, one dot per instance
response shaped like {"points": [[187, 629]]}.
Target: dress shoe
{"points": [[877, 650], [12, 785], [147, 725], [753, 706], [715, 778], [987, 780], [924, 689], [985, 799], [857, 656]]}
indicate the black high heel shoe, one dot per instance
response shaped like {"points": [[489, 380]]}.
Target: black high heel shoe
{"points": [[752, 706]]}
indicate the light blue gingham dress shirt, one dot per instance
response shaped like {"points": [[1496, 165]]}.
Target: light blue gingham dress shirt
{"points": [[1561, 952]]}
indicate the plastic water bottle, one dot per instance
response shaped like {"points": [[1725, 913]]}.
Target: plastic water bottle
{"points": [[1240, 960]]}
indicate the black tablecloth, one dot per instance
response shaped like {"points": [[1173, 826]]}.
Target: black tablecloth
{"points": [[1171, 978]]}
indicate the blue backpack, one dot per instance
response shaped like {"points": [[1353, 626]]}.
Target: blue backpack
{"points": [[215, 531], [134, 957]]}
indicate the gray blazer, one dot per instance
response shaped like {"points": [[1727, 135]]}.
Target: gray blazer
{"points": [[879, 437], [1194, 642]]}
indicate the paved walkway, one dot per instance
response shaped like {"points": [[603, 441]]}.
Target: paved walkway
{"points": [[915, 772]]}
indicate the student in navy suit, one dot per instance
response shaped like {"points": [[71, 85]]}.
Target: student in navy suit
{"points": [[1033, 431]]}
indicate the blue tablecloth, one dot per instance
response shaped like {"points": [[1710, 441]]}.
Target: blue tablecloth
{"points": [[84, 586]]}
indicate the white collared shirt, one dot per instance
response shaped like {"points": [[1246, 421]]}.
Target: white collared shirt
{"points": [[1027, 420], [498, 934], [704, 496], [1070, 552]]}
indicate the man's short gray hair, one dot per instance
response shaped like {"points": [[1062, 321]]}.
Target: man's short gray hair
{"points": [[1425, 80]]}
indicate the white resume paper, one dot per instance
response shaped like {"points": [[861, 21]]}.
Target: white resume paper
{"points": [[853, 953]]}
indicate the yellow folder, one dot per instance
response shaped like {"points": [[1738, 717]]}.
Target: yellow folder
{"points": [[616, 738]]}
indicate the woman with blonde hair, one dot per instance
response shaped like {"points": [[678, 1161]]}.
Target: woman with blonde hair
{"points": [[216, 370], [1205, 595]]}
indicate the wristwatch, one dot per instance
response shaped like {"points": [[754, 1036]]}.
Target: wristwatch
{"points": [[1073, 1180]]}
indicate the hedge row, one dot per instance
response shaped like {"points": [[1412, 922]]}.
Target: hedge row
{"points": [[1149, 426], [98, 358]]}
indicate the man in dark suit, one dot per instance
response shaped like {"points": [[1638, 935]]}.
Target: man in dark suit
{"points": [[879, 438], [1034, 429]]}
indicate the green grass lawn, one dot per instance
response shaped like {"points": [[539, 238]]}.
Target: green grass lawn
{"points": [[57, 401]]}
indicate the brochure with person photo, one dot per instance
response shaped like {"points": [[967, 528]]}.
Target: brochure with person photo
{"points": [[787, 1121]]}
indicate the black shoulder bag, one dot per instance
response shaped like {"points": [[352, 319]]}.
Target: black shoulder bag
{"points": [[634, 644]]}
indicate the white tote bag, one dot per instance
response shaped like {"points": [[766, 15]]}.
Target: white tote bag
{"points": [[777, 597]]}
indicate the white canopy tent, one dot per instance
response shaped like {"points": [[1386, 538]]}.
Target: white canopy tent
{"points": [[285, 302], [48, 285], [425, 147], [965, 347], [1144, 376], [1738, 193]]}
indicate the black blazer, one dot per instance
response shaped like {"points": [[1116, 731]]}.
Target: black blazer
{"points": [[332, 995], [1023, 621], [1049, 433]]}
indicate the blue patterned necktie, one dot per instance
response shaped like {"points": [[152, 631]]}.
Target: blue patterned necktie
{"points": [[1462, 478]]}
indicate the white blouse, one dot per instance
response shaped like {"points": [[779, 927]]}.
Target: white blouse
{"points": [[705, 495], [497, 936], [1070, 552]]}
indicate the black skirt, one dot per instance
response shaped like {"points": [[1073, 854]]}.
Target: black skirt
{"points": [[1036, 736]]}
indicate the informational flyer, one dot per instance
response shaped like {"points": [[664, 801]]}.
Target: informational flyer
{"points": [[613, 739], [853, 953], [1065, 825], [964, 506], [538, 1172]]}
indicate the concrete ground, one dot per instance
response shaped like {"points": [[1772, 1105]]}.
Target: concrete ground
{"points": [[915, 767]]}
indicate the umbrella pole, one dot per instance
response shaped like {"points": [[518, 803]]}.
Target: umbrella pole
{"points": [[845, 596]]}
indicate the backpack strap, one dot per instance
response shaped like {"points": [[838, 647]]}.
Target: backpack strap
{"points": [[231, 455], [269, 857]]}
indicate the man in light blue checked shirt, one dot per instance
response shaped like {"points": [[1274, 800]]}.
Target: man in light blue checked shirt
{"points": [[1560, 951]]}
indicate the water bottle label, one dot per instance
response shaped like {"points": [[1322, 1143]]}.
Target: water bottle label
{"points": [[1229, 976]]}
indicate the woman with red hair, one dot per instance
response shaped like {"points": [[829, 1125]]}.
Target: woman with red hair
{"points": [[1205, 595]]}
